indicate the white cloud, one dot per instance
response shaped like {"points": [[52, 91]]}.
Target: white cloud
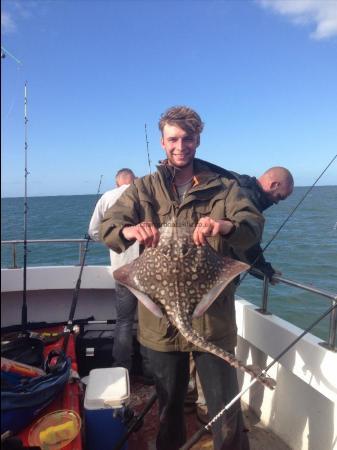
{"points": [[7, 23], [22, 9], [16, 11], [321, 13]]}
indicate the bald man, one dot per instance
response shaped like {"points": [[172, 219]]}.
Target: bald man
{"points": [[274, 185]]}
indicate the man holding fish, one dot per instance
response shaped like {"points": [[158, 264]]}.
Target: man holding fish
{"points": [[187, 193]]}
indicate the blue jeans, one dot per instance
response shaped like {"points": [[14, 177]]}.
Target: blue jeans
{"points": [[219, 384], [126, 305]]}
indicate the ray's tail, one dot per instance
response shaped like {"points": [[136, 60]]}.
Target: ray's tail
{"points": [[198, 340]]}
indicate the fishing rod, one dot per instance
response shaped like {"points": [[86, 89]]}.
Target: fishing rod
{"points": [[5, 52], [147, 149], [25, 348], [70, 323], [25, 212], [135, 422], [195, 438]]}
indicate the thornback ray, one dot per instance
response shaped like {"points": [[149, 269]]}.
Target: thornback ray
{"points": [[180, 280]]}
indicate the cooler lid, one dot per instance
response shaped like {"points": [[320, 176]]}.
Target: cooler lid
{"points": [[107, 388]]}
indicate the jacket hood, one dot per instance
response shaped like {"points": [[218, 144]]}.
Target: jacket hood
{"points": [[257, 194]]}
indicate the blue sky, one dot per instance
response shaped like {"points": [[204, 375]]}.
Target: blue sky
{"points": [[261, 73]]}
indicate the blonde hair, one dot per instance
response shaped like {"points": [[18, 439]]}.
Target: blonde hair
{"points": [[183, 117]]}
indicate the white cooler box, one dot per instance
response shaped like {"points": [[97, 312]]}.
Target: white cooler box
{"points": [[106, 396]]}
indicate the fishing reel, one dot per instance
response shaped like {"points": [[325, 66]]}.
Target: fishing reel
{"points": [[55, 361]]}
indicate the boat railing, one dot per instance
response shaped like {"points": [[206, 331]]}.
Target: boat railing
{"points": [[330, 344], [16, 242]]}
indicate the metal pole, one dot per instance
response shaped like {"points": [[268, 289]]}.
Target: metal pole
{"points": [[331, 344], [14, 256], [332, 329], [265, 294], [321, 292]]}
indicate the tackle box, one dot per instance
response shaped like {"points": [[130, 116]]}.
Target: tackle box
{"points": [[94, 351]]}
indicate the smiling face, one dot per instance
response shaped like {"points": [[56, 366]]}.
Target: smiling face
{"points": [[179, 145]]}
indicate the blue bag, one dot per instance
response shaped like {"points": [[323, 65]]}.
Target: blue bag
{"points": [[21, 403]]}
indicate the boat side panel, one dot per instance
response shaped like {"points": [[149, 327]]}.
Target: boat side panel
{"points": [[54, 306], [58, 277], [302, 409], [312, 363]]}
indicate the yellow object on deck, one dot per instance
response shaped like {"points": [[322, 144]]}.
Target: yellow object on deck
{"points": [[54, 434]]}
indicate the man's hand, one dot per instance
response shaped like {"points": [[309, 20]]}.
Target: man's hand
{"points": [[145, 233], [209, 227]]}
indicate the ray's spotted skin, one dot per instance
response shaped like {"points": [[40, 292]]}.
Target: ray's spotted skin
{"points": [[180, 280]]}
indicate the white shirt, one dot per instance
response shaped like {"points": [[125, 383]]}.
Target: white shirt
{"points": [[108, 199]]}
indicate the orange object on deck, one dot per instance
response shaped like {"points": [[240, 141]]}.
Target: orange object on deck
{"points": [[9, 365]]}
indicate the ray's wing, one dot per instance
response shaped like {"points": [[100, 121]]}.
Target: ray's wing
{"points": [[229, 269], [127, 276]]}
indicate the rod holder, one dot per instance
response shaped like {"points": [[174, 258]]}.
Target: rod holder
{"points": [[265, 293]]}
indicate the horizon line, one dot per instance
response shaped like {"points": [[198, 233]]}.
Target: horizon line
{"points": [[73, 195]]}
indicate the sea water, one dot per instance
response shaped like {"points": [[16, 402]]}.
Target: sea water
{"points": [[305, 250]]}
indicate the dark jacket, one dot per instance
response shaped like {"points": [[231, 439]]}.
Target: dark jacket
{"points": [[153, 199], [254, 192], [258, 197], [249, 184]]}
